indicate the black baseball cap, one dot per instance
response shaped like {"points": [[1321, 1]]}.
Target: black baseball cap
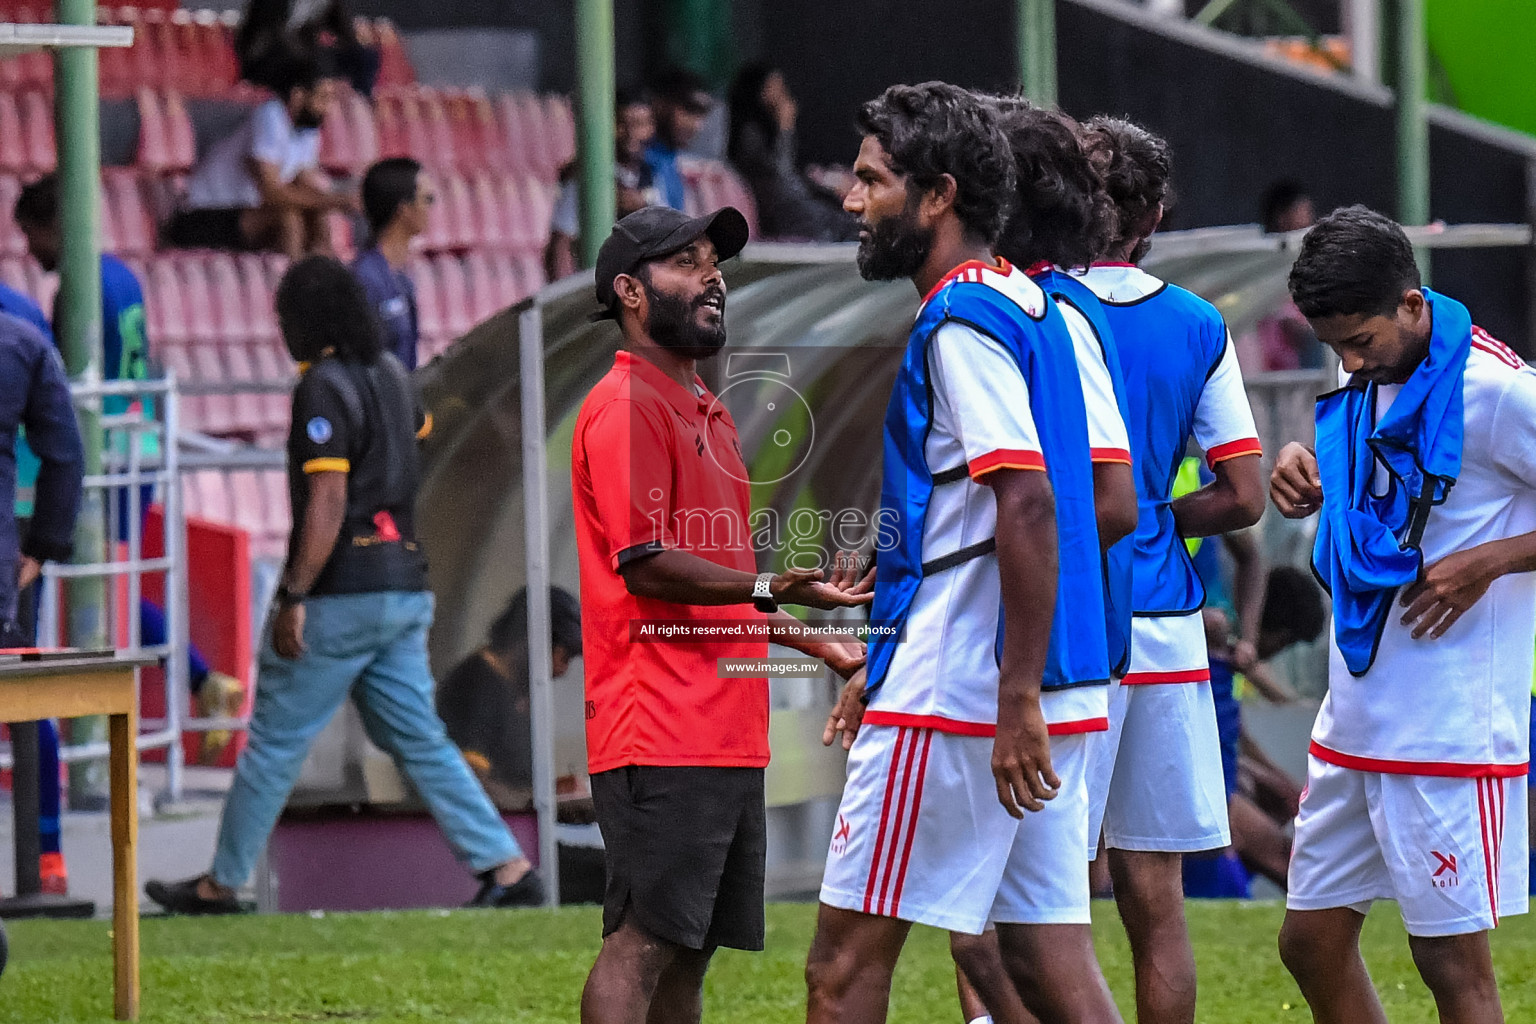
{"points": [[659, 231]]}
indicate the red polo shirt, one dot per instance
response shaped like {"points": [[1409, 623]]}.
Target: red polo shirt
{"points": [[655, 467]]}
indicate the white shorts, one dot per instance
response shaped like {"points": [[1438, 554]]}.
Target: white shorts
{"points": [[1155, 779], [920, 835], [1451, 851]]}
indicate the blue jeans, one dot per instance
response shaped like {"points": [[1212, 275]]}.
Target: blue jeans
{"points": [[373, 648]]}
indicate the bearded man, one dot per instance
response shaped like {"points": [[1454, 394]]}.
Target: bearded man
{"points": [[676, 753]]}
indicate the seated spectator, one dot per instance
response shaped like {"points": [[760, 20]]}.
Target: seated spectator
{"points": [[396, 194], [634, 126], [271, 30], [681, 101], [261, 187], [1284, 338], [484, 701], [762, 147]]}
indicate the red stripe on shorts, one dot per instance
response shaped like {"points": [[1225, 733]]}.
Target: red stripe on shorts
{"points": [[885, 812], [902, 807], [917, 804], [1484, 799]]}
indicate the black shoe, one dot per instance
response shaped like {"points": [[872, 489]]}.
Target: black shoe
{"points": [[183, 898], [527, 891]]}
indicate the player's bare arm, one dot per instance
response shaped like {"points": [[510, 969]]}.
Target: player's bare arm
{"points": [[1114, 502], [684, 578], [1233, 501], [847, 714], [843, 657], [1294, 484], [1455, 583], [1026, 565]]}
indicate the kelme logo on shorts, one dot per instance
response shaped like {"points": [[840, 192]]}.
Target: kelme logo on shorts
{"points": [[1445, 870], [318, 429], [840, 837]]}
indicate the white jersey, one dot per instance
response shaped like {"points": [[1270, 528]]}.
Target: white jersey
{"points": [[1460, 704], [945, 675]]}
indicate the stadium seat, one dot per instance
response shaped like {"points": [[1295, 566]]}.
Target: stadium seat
{"points": [[258, 297], [37, 126], [182, 141], [483, 293], [154, 153], [338, 143], [12, 242], [485, 203], [458, 316], [429, 303], [274, 487], [106, 223], [166, 304], [135, 225], [560, 122], [236, 323], [202, 315], [338, 227], [453, 194], [530, 270], [395, 66], [13, 150], [389, 128], [506, 279], [213, 495]]}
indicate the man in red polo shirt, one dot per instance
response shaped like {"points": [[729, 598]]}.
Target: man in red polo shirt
{"points": [[676, 753]]}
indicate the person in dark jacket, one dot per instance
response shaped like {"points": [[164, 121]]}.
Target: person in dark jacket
{"points": [[34, 393], [484, 701], [762, 148], [353, 609], [397, 195]]}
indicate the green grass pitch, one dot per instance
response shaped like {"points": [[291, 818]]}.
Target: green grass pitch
{"points": [[528, 966]]}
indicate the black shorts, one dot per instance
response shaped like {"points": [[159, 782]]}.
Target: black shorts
{"points": [[208, 229], [685, 851]]}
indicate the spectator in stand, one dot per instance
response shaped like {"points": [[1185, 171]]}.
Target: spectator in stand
{"points": [[272, 30], [682, 101], [762, 148], [484, 701], [261, 187], [353, 609], [633, 129], [397, 194], [1285, 340], [34, 394]]}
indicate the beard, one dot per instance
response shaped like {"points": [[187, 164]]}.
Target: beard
{"points": [[674, 325], [895, 248]]}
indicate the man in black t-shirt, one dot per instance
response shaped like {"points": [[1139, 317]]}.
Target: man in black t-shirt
{"points": [[353, 609], [485, 702]]}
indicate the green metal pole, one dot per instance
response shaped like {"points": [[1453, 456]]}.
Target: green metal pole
{"points": [[594, 127], [1412, 58], [77, 324], [1036, 23]]}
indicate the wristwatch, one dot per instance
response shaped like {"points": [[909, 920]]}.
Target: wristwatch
{"points": [[288, 598], [762, 595]]}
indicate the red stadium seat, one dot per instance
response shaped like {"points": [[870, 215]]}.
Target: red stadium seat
{"points": [[258, 297], [429, 302], [213, 495], [483, 298], [37, 124], [485, 204], [106, 222], [531, 271], [389, 127], [505, 279], [135, 226], [183, 143], [338, 143], [12, 242], [274, 487], [203, 326], [166, 304], [35, 68], [395, 65], [339, 227], [458, 316], [13, 149], [454, 196], [236, 324], [560, 122], [154, 136], [365, 136], [520, 211]]}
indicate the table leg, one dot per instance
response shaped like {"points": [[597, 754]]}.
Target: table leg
{"points": [[125, 868]]}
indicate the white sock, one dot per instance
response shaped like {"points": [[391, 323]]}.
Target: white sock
{"points": [[987, 1019]]}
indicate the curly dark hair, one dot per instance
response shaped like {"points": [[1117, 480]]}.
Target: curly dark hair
{"points": [[935, 129], [1354, 260], [1063, 215], [321, 307], [1137, 168], [1293, 603]]}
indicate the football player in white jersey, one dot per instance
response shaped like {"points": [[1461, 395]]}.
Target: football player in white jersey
{"points": [[1425, 480], [1157, 774]]}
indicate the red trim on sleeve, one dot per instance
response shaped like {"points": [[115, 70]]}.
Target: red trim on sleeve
{"points": [[1233, 450], [1193, 675], [1439, 769], [1005, 458], [1080, 726], [1043, 267], [935, 722], [1113, 263], [1110, 455]]}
